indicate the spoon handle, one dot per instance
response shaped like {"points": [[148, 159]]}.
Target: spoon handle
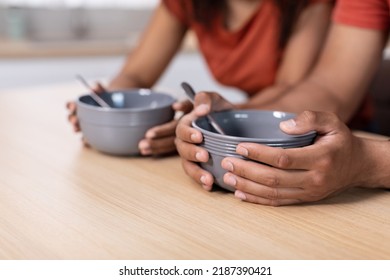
{"points": [[190, 92], [99, 100], [95, 96], [215, 125]]}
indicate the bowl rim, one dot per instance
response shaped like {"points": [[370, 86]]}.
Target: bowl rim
{"points": [[140, 91], [216, 136]]}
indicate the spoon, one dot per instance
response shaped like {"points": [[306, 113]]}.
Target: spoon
{"points": [[190, 92], [94, 94]]}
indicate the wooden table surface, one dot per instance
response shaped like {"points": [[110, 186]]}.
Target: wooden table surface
{"points": [[59, 200]]}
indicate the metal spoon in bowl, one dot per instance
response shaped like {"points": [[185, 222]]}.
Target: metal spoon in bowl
{"points": [[94, 93], [190, 92]]}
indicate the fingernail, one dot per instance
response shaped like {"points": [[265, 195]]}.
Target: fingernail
{"points": [[240, 195], [198, 156], [230, 180], [143, 145], [194, 137], [150, 134], [202, 109], [228, 165], [289, 123], [176, 105], [203, 179], [242, 151]]}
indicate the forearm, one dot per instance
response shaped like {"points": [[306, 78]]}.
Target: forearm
{"points": [[136, 73], [285, 97], [339, 81], [313, 96], [373, 158], [158, 44], [128, 80], [266, 97]]}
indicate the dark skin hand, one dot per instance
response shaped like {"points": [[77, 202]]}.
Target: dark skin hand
{"points": [[187, 137], [292, 176]]}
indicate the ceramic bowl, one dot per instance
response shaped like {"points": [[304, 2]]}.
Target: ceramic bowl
{"points": [[256, 126], [118, 130]]}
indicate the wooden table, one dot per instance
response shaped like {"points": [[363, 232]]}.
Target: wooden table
{"points": [[59, 200]]}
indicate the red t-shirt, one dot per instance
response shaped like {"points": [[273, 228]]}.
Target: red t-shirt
{"points": [[248, 58], [371, 14]]}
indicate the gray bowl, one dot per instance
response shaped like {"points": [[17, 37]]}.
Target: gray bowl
{"points": [[213, 165], [254, 126], [118, 130]]}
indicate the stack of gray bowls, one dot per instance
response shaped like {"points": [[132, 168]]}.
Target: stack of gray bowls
{"points": [[117, 130], [255, 126]]}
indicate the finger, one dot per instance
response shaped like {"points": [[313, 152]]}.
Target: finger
{"points": [[144, 147], [85, 143], [72, 116], [71, 106], [206, 102], [265, 175], [183, 106], [294, 158], [191, 152], [99, 88], [265, 201], [201, 176], [162, 146], [74, 122], [322, 122], [203, 103], [259, 190], [186, 132], [160, 131]]}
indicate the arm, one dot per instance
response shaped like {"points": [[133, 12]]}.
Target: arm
{"points": [[143, 68], [340, 80], [337, 161], [158, 44], [377, 156], [300, 55]]}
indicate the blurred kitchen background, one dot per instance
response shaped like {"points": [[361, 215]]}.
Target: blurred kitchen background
{"points": [[44, 42], [49, 41]]}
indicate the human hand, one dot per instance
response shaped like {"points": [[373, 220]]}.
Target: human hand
{"points": [[291, 176], [187, 137], [160, 140]]}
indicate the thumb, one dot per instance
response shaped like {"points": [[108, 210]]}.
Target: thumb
{"points": [[322, 122], [99, 88], [202, 103], [182, 106]]}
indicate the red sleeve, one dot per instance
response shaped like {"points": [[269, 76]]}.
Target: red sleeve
{"points": [[182, 9], [179, 8], [373, 14], [320, 1]]}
